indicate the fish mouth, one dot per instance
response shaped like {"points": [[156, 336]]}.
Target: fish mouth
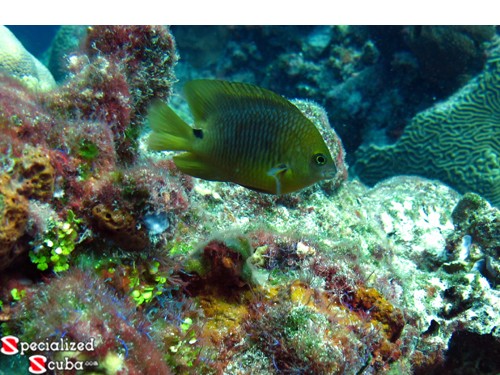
{"points": [[331, 173]]}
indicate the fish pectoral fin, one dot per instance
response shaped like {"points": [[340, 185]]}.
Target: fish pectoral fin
{"points": [[277, 169], [191, 164], [277, 172]]}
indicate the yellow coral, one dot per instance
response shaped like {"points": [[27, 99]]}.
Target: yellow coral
{"points": [[13, 218], [120, 227], [36, 173]]}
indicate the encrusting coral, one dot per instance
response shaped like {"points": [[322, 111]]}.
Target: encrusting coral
{"points": [[13, 219], [36, 174], [456, 141], [120, 226]]}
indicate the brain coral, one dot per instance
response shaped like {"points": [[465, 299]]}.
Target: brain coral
{"points": [[17, 62], [457, 141]]}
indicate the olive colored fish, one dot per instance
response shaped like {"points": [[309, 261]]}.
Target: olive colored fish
{"points": [[244, 134]]}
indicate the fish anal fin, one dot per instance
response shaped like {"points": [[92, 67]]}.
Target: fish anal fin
{"points": [[192, 165]]}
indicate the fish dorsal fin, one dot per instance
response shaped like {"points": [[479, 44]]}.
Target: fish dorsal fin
{"points": [[207, 96]]}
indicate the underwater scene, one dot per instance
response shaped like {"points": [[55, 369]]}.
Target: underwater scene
{"points": [[250, 200]]}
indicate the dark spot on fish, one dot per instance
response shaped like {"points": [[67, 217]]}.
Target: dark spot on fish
{"points": [[198, 133]]}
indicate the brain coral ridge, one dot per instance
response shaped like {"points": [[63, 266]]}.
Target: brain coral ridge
{"points": [[457, 141]]}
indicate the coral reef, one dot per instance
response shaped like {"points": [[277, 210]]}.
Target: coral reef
{"points": [[65, 44], [120, 226], [97, 92], [475, 243], [63, 147], [299, 331], [455, 141], [447, 55], [114, 77], [377, 255], [13, 218], [371, 80], [16, 61], [80, 308], [101, 238], [36, 175], [145, 54]]}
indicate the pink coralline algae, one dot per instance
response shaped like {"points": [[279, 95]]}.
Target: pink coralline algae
{"points": [[79, 307], [145, 56], [145, 53], [68, 147], [119, 70]]}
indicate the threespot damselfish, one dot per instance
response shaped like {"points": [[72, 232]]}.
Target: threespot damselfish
{"points": [[243, 134]]}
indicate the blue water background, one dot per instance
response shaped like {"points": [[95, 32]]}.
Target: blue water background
{"points": [[35, 38]]}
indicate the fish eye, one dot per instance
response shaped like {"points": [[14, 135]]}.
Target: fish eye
{"points": [[319, 159]]}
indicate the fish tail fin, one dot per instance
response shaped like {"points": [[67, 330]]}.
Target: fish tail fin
{"points": [[170, 132]]}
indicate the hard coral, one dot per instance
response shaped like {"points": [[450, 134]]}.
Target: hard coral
{"points": [[121, 227], [36, 175], [13, 219], [18, 62], [456, 141]]}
